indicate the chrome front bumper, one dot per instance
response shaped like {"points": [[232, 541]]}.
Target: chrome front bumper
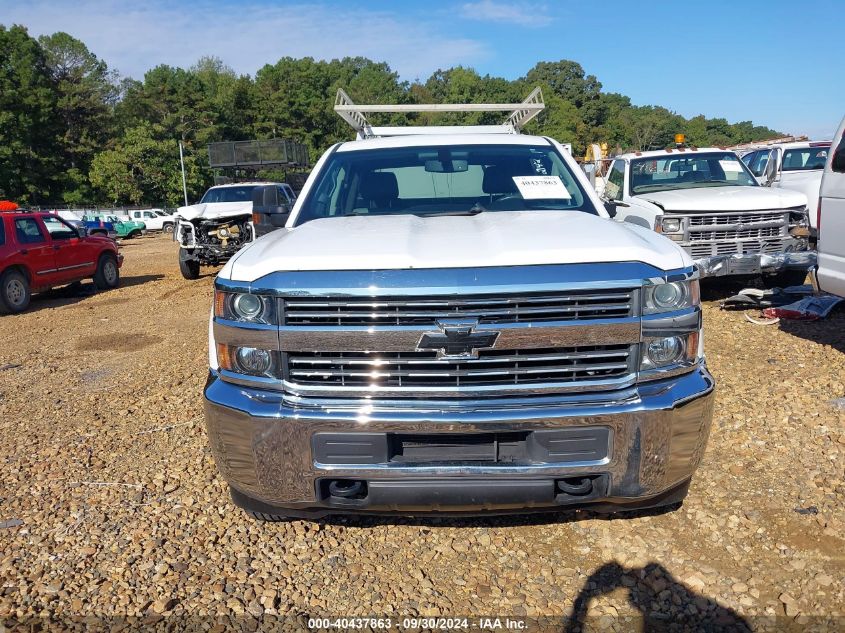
{"points": [[263, 445], [754, 263]]}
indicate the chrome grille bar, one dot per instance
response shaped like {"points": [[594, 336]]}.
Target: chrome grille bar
{"points": [[411, 370], [568, 306], [710, 234]]}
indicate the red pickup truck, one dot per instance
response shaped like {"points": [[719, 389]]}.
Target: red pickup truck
{"points": [[39, 251]]}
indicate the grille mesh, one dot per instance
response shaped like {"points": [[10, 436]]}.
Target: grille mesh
{"points": [[570, 306], [424, 369]]}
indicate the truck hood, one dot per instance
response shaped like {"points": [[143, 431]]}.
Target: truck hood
{"points": [[503, 238], [214, 210], [725, 199]]}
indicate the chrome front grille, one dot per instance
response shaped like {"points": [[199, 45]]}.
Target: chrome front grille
{"points": [[426, 310], [741, 234], [422, 370], [709, 234], [717, 219]]}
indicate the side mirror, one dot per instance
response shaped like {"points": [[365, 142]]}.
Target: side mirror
{"points": [[612, 205], [81, 231], [270, 209]]}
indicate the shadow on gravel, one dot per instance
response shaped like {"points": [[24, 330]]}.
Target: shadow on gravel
{"points": [[720, 289], [76, 292], [665, 603], [517, 519], [829, 331]]}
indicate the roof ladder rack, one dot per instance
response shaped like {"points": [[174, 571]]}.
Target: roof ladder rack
{"points": [[520, 114]]}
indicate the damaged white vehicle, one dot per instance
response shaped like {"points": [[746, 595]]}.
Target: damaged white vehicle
{"points": [[709, 204], [214, 229]]}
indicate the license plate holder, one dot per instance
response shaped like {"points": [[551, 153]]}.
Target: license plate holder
{"points": [[744, 266]]}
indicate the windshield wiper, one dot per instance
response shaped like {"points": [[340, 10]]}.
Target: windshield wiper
{"points": [[474, 210]]}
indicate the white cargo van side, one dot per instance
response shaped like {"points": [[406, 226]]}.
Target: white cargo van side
{"points": [[830, 275]]}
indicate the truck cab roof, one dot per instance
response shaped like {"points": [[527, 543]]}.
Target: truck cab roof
{"points": [[671, 152], [427, 140]]}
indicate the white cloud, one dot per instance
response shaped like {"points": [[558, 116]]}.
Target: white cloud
{"points": [[136, 36], [520, 13]]}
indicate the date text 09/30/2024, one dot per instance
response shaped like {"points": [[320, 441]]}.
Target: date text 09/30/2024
{"points": [[420, 623]]}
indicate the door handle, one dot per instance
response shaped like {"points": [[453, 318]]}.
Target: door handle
{"points": [[56, 247], [24, 251]]}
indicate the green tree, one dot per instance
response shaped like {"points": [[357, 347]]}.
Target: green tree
{"points": [[86, 92], [143, 169], [29, 125]]}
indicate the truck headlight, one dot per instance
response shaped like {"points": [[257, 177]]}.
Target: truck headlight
{"points": [[663, 351], [671, 296], [247, 306], [670, 225], [252, 361], [669, 350], [244, 306]]}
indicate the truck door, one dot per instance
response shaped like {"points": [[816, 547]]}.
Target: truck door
{"points": [[614, 188], [76, 258], [36, 252], [831, 218], [771, 170]]}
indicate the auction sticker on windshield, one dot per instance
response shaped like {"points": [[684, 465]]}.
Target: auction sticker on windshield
{"points": [[541, 187], [730, 164]]}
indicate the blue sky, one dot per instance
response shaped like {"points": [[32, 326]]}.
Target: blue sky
{"points": [[778, 63]]}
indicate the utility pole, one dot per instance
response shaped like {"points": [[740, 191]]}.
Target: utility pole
{"points": [[184, 184]]}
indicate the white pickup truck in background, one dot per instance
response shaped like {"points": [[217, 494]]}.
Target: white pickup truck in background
{"points": [[829, 276], [708, 202], [797, 166], [155, 219]]}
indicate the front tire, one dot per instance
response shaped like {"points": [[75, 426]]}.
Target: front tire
{"points": [[167, 228], [15, 292], [188, 266], [107, 276], [133, 234]]}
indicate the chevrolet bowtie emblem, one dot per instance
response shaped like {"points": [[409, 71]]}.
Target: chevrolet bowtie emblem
{"points": [[457, 339]]}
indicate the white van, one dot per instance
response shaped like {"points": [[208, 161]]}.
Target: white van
{"points": [[829, 275]]}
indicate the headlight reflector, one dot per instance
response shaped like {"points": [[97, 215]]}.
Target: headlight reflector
{"points": [[235, 306], [253, 360], [247, 306], [668, 352], [671, 296], [664, 351], [250, 361]]}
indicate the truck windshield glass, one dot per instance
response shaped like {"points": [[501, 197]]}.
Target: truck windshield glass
{"points": [[805, 158], [709, 169], [450, 179], [228, 194]]}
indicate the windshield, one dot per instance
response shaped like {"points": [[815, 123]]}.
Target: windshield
{"points": [[710, 169], [228, 194], [805, 158], [448, 179]]}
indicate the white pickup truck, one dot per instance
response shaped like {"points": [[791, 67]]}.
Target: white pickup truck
{"points": [[213, 230], [797, 166], [708, 202], [154, 219], [450, 322]]}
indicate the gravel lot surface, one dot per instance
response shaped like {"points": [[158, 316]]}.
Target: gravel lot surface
{"points": [[110, 503]]}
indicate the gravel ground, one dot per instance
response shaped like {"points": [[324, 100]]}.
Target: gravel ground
{"points": [[110, 503]]}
